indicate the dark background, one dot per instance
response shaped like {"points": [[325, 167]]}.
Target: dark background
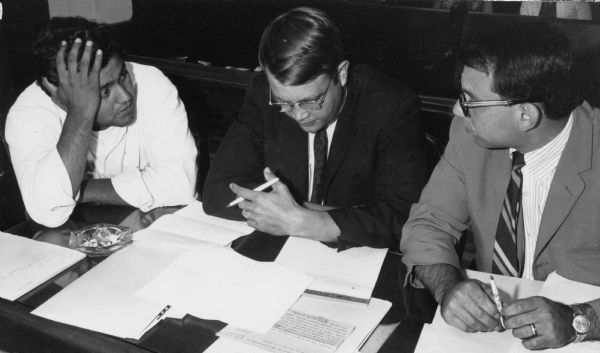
{"points": [[407, 39]]}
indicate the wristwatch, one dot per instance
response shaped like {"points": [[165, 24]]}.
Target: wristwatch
{"points": [[581, 323]]}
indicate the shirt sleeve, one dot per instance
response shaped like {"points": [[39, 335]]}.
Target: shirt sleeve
{"points": [[169, 176], [436, 223], [32, 133]]}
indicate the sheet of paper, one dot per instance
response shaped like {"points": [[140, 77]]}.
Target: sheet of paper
{"points": [[441, 337], [352, 272], [295, 332], [220, 284], [364, 318], [195, 229], [104, 299], [26, 263], [170, 239], [194, 211], [567, 291]]}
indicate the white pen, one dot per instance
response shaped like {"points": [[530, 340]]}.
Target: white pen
{"points": [[258, 188], [157, 317], [496, 295]]}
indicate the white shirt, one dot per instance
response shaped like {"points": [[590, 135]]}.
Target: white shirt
{"points": [[538, 172], [311, 153], [151, 163]]}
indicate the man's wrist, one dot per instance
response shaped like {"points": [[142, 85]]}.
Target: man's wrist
{"points": [[315, 225]]}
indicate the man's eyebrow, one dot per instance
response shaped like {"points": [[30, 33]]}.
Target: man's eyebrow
{"points": [[110, 83], [471, 94], [300, 101]]}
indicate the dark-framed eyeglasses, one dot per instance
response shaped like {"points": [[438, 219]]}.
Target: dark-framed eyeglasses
{"points": [[311, 105], [464, 105]]}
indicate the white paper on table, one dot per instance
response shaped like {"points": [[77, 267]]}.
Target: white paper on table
{"points": [[295, 332], [195, 229], [441, 337], [104, 299], [567, 291], [26, 263], [352, 272], [169, 239], [194, 211], [364, 318], [220, 284]]}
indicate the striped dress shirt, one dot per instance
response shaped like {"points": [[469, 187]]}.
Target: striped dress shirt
{"points": [[538, 172]]}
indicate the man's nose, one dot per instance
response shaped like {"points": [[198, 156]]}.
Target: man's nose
{"points": [[298, 113], [457, 110], [125, 95]]}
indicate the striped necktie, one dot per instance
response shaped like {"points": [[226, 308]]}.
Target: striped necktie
{"points": [[505, 260], [320, 150]]}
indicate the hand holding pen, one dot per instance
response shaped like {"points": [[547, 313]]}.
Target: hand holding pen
{"points": [[497, 301]]}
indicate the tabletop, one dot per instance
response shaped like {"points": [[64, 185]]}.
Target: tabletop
{"points": [[24, 332]]}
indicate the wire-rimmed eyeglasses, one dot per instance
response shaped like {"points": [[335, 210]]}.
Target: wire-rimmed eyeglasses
{"points": [[312, 105]]}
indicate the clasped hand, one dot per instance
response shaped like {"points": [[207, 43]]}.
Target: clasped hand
{"points": [[275, 212], [468, 305], [78, 90]]}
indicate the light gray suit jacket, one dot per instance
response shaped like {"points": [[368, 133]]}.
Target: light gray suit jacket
{"points": [[468, 186]]}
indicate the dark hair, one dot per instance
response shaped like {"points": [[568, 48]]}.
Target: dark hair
{"points": [[528, 61], [68, 29], [300, 45]]}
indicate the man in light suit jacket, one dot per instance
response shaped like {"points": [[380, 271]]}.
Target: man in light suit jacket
{"points": [[372, 165], [516, 97]]}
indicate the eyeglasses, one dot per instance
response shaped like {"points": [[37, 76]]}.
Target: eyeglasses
{"points": [[464, 105], [311, 105]]}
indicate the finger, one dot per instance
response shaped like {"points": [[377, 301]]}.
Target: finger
{"points": [[84, 64], [520, 320], [521, 306], [523, 332], [50, 88], [72, 66], [244, 193], [247, 206], [535, 343], [268, 174], [95, 72], [61, 66]]}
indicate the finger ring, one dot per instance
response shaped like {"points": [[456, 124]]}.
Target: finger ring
{"points": [[533, 330], [245, 214]]}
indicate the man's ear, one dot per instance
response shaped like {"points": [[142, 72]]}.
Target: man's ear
{"points": [[342, 70], [49, 87], [530, 116]]}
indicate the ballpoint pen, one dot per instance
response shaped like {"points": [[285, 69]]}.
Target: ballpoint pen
{"points": [[157, 317], [496, 295], [258, 188]]}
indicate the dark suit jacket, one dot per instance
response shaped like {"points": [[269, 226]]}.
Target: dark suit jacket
{"points": [[468, 186], [375, 168]]}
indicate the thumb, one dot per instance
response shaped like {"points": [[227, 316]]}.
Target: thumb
{"points": [[268, 174]]}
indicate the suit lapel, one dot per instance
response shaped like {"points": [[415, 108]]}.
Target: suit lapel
{"points": [[567, 184], [342, 139]]}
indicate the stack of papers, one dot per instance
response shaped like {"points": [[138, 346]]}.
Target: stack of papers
{"points": [[191, 228], [220, 284], [319, 326], [26, 263], [348, 275], [441, 337]]}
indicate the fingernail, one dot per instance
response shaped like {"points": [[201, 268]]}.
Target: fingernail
{"points": [[63, 43], [88, 43], [99, 52], [77, 40], [231, 186]]}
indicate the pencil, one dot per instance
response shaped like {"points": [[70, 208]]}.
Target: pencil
{"points": [[496, 295], [258, 188]]}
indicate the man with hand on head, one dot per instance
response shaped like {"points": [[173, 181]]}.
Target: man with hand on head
{"points": [[522, 171], [344, 140], [95, 128]]}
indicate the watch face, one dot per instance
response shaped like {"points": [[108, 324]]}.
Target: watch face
{"points": [[581, 324]]}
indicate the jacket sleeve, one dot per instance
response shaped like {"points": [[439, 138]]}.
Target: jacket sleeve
{"points": [[437, 222], [239, 159], [398, 179]]}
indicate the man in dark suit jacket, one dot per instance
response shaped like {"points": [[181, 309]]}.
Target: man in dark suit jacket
{"points": [[356, 187], [516, 104]]}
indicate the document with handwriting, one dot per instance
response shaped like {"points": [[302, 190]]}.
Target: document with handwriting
{"points": [[295, 332], [220, 284], [347, 274], [26, 263]]}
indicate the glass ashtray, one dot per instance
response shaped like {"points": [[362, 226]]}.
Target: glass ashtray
{"points": [[100, 239]]}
